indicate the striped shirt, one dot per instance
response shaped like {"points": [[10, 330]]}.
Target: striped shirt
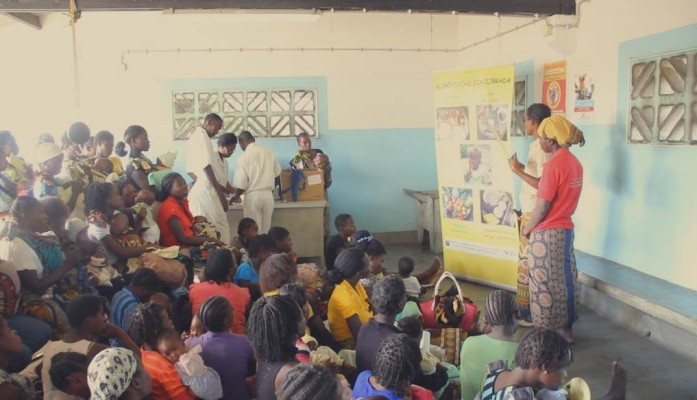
{"points": [[123, 304], [489, 392], [166, 383]]}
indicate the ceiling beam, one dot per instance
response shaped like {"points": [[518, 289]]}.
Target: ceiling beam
{"points": [[28, 19], [543, 7]]}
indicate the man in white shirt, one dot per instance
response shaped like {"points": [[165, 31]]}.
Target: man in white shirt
{"points": [[255, 174]]}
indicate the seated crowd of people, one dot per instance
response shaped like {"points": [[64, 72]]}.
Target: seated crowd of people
{"points": [[112, 289]]}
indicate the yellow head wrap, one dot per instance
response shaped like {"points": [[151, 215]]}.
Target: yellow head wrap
{"points": [[560, 129]]}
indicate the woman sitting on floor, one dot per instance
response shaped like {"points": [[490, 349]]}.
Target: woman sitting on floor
{"points": [[395, 365], [102, 201], [40, 262], [148, 322], [275, 323], [216, 281], [478, 351], [275, 272], [541, 362], [348, 306], [175, 219], [88, 323]]}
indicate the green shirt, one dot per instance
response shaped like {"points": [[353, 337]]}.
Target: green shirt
{"points": [[476, 353]]}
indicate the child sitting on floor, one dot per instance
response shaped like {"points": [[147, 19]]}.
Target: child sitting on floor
{"points": [[376, 255], [405, 266], [148, 229], [203, 381], [414, 283]]}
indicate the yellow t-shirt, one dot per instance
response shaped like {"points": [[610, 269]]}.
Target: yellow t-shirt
{"points": [[344, 303], [271, 293]]}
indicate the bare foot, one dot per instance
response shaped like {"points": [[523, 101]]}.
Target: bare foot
{"points": [[618, 386], [568, 336]]}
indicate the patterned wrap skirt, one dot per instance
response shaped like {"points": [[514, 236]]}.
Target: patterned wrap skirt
{"points": [[554, 288], [522, 288]]}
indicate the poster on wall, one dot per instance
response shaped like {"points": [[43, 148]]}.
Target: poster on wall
{"points": [[584, 102], [554, 86], [472, 126]]}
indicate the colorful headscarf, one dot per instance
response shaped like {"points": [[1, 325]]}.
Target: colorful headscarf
{"points": [[560, 129], [110, 373]]}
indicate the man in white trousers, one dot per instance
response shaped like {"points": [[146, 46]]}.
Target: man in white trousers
{"points": [[255, 174]]}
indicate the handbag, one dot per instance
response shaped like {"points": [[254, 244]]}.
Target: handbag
{"points": [[171, 272], [449, 311]]}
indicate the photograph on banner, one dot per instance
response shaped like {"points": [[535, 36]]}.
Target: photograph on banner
{"points": [[554, 86], [477, 159], [497, 208], [479, 237], [492, 121], [452, 124], [458, 203]]}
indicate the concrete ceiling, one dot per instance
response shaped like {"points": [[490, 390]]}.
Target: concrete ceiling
{"points": [[29, 12], [543, 7]]}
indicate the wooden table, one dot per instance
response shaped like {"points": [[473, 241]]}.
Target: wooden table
{"points": [[428, 217], [304, 220]]}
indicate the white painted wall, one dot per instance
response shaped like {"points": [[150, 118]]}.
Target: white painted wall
{"points": [[366, 90], [637, 207], [603, 25]]}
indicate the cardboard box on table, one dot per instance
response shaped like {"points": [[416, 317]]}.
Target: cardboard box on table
{"points": [[310, 185]]}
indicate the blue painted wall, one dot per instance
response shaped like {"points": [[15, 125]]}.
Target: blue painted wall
{"points": [[371, 166], [638, 203]]}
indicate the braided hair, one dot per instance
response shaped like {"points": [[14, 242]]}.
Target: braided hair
{"points": [[388, 295], [147, 322], [370, 246], [544, 349], [309, 382], [501, 308], [396, 362], [65, 364], [216, 314], [273, 328]]}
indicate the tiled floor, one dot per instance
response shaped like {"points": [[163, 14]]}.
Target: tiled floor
{"points": [[654, 373]]}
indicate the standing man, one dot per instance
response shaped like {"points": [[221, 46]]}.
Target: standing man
{"points": [[255, 173], [200, 158]]}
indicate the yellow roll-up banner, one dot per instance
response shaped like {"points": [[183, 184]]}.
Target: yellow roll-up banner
{"points": [[473, 121]]}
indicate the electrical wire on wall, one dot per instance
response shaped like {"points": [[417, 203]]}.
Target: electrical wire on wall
{"points": [[127, 53], [74, 15]]}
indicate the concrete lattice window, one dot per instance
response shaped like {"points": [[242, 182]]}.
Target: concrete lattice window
{"points": [[663, 99], [276, 113], [519, 107]]}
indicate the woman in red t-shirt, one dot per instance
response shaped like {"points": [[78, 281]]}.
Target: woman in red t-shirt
{"points": [[554, 290], [174, 218], [220, 267]]}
